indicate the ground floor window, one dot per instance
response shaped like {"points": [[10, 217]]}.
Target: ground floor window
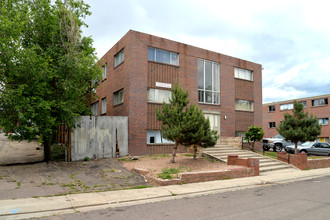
{"points": [[323, 139], [272, 125], [155, 137]]}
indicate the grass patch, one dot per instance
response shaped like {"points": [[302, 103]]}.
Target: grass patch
{"points": [[188, 155], [316, 157], [125, 159], [168, 173], [158, 155], [271, 154]]}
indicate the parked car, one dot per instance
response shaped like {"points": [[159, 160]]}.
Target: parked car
{"points": [[314, 148], [277, 143]]}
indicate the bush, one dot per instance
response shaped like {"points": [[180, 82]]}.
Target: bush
{"points": [[58, 152]]}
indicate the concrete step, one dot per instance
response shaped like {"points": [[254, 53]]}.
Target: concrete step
{"points": [[274, 167], [268, 163]]}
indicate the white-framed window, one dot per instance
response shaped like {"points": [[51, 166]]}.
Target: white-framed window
{"points": [[163, 56], [320, 102], [155, 137], [208, 82], [104, 106], [119, 57], [95, 108], [244, 105], [286, 106], [243, 74], [304, 103], [271, 108], [323, 121], [159, 95], [118, 97], [272, 125], [323, 139], [104, 71]]}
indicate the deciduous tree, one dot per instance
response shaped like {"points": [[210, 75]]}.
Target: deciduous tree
{"points": [[253, 134], [46, 67]]}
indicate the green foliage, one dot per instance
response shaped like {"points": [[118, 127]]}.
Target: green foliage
{"points": [[46, 67], [185, 124], [299, 126], [86, 159], [253, 134], [167, 173], [58, 152]]}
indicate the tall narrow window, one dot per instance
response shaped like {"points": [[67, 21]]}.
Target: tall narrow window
{"points": [[118, 97], [119, 57], [104, 71], [95, 108], [208, 82], [243, 74], [104, 106], [163, 56]]}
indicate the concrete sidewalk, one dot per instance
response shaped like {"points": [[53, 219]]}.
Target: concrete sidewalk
{"points": [[46, 206]]}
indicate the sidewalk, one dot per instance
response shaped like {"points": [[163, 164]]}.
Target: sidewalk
{"points": [[46, 206]]}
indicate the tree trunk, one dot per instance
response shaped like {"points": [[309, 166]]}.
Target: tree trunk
{"points": [[295, 147], [47, 151], [174, 152], [195, 152], [252, 146]]}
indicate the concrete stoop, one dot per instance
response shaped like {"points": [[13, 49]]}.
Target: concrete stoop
{"points": [[267, 165]]}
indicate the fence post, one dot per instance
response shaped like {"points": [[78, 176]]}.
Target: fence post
{"points": [[242, 143]]}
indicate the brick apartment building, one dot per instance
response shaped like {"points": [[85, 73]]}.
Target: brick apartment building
{"points": [[140, 70], [273, 114]]}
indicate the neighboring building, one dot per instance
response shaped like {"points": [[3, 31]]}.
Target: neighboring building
{"points": [[273, 114], [140, 70]]}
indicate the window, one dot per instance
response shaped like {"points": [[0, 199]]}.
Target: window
{"points": [[243, 74], [104, 71], [323, 139], [323, 121], [286, 106], [320, 102], [119, 57], [118, 97], [243, 105], [240, 134], [271, 108], [104, 106], [304, 104], [163, 56], [208, 82], [155, 137], [272, 125], [95, 108], [159, 95]]}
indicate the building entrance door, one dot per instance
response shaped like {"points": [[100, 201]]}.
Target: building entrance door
{"points": [[214, 122]]}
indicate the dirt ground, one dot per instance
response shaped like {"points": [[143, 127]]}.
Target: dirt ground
{"points": [[57, 178], [184, 162]]}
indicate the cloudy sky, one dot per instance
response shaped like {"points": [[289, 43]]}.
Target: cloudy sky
{"points": [[291, 39]]}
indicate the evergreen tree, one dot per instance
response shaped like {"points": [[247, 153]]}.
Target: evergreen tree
{"points": [[185, 125], [46, 67], [300, 126], [253, 134]]}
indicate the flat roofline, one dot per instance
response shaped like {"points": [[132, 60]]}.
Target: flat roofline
{"points": [[192, 46], [298, 100]]}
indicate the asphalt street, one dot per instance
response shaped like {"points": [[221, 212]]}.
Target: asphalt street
{"points": [[299, 200]]}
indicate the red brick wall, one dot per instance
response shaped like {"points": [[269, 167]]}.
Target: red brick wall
{"points": [[136, 75], [277, 116]]}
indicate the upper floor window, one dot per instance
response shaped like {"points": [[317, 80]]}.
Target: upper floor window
{"points": [[272, 125], [243, 74], [119, 57], [320, 102], [271, 108], [163, 56], [286, 106], [104, 71], [244, 105], [104, 106], [159, 95], [208, 82], [304, 103], [118, 97], [95, 108], [323, 121]]}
